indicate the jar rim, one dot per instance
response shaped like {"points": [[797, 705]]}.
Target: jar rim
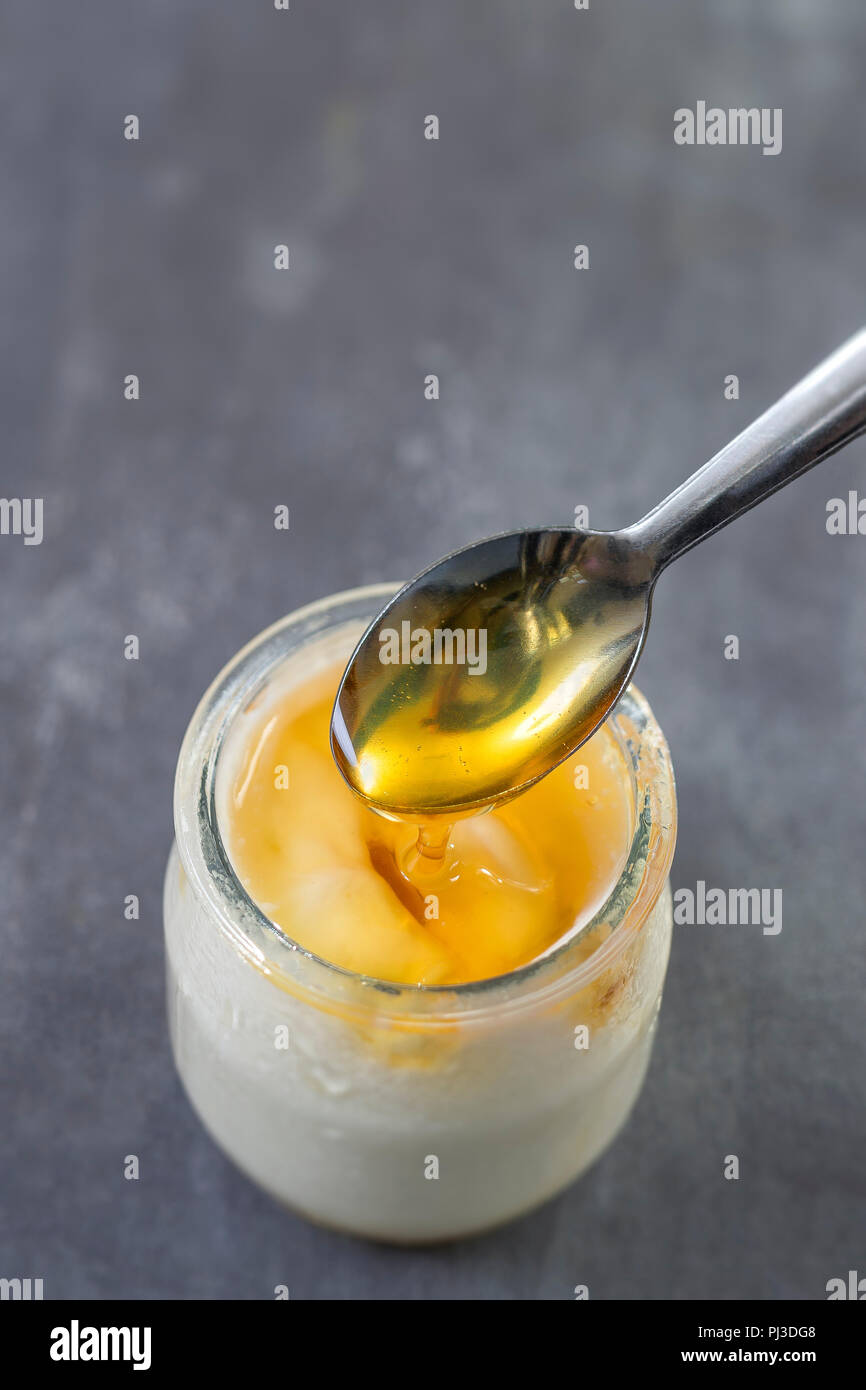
{"points": [[268, 948]]}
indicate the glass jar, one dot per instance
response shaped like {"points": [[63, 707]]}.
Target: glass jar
{"points": [[405, 1114]]}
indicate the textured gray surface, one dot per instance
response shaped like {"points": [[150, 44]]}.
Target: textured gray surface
{"points": [[602, 387]]}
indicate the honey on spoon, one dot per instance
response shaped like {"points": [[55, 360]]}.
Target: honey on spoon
{"points": [[561, 616]]}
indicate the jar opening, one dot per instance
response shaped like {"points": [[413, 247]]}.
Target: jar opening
{"points": [[208, 865]]}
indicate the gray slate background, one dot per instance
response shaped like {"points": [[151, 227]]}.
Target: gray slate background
{"points": [[603, 387]]}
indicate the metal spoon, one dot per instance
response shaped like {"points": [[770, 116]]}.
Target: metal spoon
{"points": [[552, 623]]}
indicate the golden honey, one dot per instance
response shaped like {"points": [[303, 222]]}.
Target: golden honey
{"points": [[465, 691], [437, 904]]}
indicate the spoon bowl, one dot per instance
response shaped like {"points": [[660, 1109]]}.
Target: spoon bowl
{"points": [[488, 669]]}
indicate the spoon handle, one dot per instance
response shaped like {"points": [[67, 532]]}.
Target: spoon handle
{"points": [[821, 414]]}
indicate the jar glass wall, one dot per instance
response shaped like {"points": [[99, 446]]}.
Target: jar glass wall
{"points": [[404, 1113]]}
